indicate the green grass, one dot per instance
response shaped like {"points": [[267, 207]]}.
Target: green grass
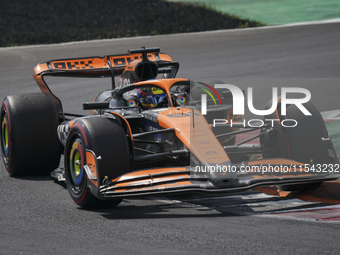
{"points": [[275, 12], [212, 7]]}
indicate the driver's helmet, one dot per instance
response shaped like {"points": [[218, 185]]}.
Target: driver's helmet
{"points": [[149, 97]]}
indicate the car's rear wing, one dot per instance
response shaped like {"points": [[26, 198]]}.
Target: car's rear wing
{"points": [[108, 66], [96, 66]]}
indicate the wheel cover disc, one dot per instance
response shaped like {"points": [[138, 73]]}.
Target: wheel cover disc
{"points": [[5, 139], [77, 162]]}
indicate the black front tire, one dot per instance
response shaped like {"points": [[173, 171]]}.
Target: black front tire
{"points": [[107, 139], [304, 142]]}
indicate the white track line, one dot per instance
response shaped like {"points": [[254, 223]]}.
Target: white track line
{"points": [[335, 114]]}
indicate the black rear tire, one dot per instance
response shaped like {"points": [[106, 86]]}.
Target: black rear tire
{"points": [[29, 141], [304, 142], [107, 139]]}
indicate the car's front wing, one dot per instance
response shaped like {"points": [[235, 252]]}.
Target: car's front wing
{"points": [[247, 175]]}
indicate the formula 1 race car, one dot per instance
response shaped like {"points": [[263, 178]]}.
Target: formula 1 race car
{"points": [[147, 135]]}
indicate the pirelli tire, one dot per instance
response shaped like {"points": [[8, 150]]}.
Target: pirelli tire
{"points": [[304, 142], [107, 140], [29, 141]]}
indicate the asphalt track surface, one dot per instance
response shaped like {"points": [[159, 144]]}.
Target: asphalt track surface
{"points": [[37, 215]]}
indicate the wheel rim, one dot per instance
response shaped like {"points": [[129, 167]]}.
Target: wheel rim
{"points": [[76, 165], [5, 139]]}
